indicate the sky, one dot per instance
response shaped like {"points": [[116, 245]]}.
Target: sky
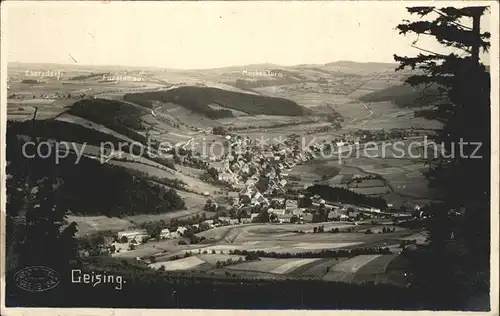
{"points": [[196, 35]]}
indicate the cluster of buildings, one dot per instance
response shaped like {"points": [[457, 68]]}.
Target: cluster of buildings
{"points": [[259, 176], [138, 236], [257, 173], [247, 163]]}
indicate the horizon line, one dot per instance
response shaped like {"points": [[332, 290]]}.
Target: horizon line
{"points": [[208, 68]]}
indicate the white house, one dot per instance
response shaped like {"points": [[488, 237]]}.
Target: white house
{"points": [[165, 233], [299, 212], [137, 234], [175, 235], [291, 204], [234, 221], [284, 218], [277, 211], [181, 230]]}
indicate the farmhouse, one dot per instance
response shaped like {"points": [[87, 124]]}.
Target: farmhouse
{"points": [[175, 235], [291, 204], [284, 218], [133, 234], [299, 212], [234, 221], [181, 230], [234, 197], [279, 201], [277, 211], [165, 233]]}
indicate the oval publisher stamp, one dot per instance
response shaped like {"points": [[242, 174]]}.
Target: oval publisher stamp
{"points": [[37, 279]]}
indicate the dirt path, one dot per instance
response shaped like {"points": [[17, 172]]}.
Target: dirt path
{"points": [[370, 113]]}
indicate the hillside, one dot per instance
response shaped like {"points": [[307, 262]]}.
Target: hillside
{"points": [[198, 100], [404, 95], [91, 188]]}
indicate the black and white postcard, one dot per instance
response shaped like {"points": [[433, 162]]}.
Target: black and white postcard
{"points": [[241, 156]]}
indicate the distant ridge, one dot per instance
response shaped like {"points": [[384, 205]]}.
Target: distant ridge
{"points": [[347, 63], [342, 63]]}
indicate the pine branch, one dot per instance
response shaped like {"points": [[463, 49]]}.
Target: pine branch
{"points": [[446, 34], [422, 11], [449, 19], [428, 51]]}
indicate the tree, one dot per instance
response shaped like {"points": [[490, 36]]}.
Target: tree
{"points": [[305, 201], [462, 84], [37, 231], [219, 130], [154, 230], [263, 217]]}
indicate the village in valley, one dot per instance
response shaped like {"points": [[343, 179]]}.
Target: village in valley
{"points": [[264, 209], [221, 182]]}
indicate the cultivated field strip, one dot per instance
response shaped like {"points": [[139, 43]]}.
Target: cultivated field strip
{"points": [[287, 267], [319, 268], [354, 264], [181, 264], [339, 277], [265, 265], [213, 258], [320, 246], [376, 266]]}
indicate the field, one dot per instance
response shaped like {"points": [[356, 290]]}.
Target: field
{"points": [[181, 264], [401, 173], [359, 269], [283, 239]]}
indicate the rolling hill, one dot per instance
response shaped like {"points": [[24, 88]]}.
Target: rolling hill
{"points": [[404, 95], [198, 100]]}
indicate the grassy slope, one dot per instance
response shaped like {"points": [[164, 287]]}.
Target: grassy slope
{"points": [[119, 118]]}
